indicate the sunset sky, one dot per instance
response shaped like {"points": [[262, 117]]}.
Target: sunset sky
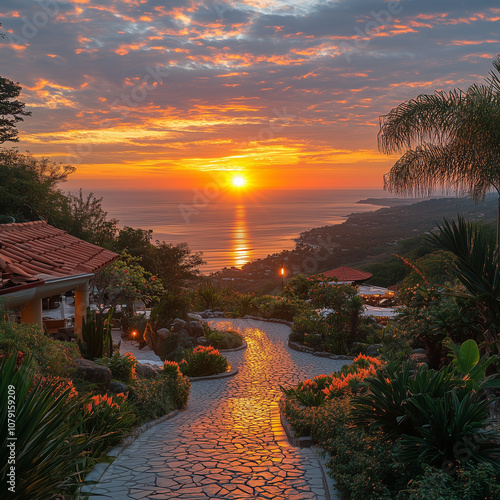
{"points": [[173, 94]]}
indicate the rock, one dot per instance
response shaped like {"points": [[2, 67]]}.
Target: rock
{"points": [[118, 388], [163, 333], [205, 314], [146, 371], [419, 359], [372, 349], [177, 325], [90, 372], [419, 350], [195, 317], [196, 329]]}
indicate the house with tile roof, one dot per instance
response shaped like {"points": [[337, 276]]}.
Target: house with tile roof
{"points": [[346, 274], [38, 261]]}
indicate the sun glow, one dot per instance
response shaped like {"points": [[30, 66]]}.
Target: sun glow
{"points": [[238, 181]]}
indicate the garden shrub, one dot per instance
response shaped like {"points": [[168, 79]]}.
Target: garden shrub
{"points": [[307, 324], [480, 482], [285, 308], [179, 384], [324, 387], [203, 361], [222, 340], [171, 306], [151, 398], [122, 367], [107, 419], [49, 356]]}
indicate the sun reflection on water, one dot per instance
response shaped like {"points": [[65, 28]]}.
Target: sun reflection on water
{"points": [[240, 237]]}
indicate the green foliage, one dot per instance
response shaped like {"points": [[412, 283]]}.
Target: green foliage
{"points": [[107, 419], [96, 333], [476, 268], [124, 282], [155, 397], [175, 265], [481, 482], [84, 217], [11, 110], [46, 435], [223, 339], [28, 186], [299, 287], [203, 361], [324, 387], [171, 306], [48, 356], [134, 241], [449, 431], [285, 308], [390, 392], [307, 324], [209, 295], [122, 367]]}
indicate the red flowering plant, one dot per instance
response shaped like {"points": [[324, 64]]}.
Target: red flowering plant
{"points": [[203, 361], [325, 387]]}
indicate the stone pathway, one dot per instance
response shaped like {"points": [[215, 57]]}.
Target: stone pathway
{"points": [[229, 443]]}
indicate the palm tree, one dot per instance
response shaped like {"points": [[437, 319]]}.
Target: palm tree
{"points": [[449, 140]]}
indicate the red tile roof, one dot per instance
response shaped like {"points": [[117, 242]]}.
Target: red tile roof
{"points": [[35, 251], [345, 273]]}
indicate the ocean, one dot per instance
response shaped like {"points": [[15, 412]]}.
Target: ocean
{"points": [[233, 228]]}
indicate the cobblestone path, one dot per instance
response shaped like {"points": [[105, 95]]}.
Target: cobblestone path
{"points": [[229, 443]]}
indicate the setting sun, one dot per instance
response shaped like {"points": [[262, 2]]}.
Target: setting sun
{"points": [[238, 181]]}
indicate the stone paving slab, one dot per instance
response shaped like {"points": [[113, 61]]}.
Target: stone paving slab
{"points": [[229, 443]]}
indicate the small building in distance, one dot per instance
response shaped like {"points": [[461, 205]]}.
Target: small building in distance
{"points": [[348, 275]]}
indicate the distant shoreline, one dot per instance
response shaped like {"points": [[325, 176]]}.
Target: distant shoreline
{"points": [[392, 202]]}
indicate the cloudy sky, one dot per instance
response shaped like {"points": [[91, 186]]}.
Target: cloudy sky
{"points": [[166, 94]]}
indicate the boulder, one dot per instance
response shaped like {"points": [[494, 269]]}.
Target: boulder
{"points": [[195, 329], [195, 317], [146, 371], [95, 374], [177, 324], [118, 388], [372, 349], [218, 314], [163, 333]]}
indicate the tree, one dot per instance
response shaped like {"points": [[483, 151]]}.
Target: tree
{"points": [[84, 217], [449, 140], [136, 241], [28, 186], [11, 110], [175, 265], [124, 282]]}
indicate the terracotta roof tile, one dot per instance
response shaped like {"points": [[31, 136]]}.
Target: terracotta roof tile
{"points": [[345, 273], [29, 250]]}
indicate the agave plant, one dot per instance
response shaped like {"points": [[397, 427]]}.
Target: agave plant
{"points": [[96, 333], [391, 393], [48, 452], [454, 431], [476, 268]]}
